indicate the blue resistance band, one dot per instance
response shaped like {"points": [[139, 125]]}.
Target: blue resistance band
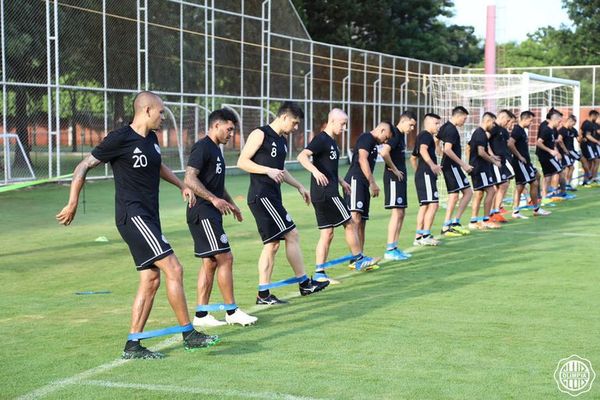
{"points": [[284, 282], [216, 307], [335, 261], [160, 332]]}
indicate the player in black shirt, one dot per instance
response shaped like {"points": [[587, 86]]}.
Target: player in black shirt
{"points": [[590, 147], [394, 183], [424, 160], [134, 155], [525, 172], [566, 138], [263, 156], [482, 175], [330, 209], [452, 169], [503, 173], [549, 157], [361, 180], [205, 176]]}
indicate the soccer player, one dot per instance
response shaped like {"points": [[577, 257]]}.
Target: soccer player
{"points": [[452, 168], [504, 173], [549, 157], [590, 147], [424, 160], [205, 176], [330, 209], [361, 180], [566, 136], [525, 172], [394, 183], [482, 174], [263, 156], [134, 155]]}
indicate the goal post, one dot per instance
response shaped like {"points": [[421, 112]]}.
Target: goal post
{"points": [[479, 93]]}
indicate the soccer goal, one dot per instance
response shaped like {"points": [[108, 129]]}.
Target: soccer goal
{"points": [[516, 92], [14, 162]]}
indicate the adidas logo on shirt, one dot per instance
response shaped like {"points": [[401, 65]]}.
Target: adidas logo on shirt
{"points": [[137, 151], [273, 144]]}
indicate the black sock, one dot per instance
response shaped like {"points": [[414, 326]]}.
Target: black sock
{"points": [[131, 344], [201, 314], [186, 334], [305, 283], [263, 294], [231, 312]]}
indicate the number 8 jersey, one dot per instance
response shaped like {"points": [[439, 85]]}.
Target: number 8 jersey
{"points": [[135, 161], [271, 153]]}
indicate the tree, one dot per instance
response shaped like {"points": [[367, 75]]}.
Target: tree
{"points": [[409, 28]]}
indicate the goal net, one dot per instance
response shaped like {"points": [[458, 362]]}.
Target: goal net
{"points": [[15, 165], [479, 93]]}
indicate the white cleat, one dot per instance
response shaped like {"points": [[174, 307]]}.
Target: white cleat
{"points": [[207, 322], [541, 212], [429, 241], [519, 216], [240, 317]]}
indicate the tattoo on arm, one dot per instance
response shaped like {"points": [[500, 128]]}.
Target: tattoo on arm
{"points": [[192, 181]]}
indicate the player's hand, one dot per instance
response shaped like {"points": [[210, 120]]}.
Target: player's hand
{"points": [[346, 187], [321, 178], [237, 213], [374, 189], [305, 194], [399, 174], [189, 196], [222, 205], [275, 174], [523, 160], [66, 215], [497, 163], [436, 169], [468, 168]]}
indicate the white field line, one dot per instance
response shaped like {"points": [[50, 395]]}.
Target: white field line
{"points": [[82, 376], [201, 391]]}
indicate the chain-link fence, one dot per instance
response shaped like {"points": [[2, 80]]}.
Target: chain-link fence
{"points": [[70, 69]]}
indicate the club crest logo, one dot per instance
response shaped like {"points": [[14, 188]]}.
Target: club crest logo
{"points": [[157, 148], [574, 375], [223, 238]]}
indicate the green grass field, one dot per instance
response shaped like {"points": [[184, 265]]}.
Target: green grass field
{"points": [[481, 317]]}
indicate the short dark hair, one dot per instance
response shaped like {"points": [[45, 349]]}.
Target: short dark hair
{"points": [[290, 107], [592, 113], [432, 115], [553, 111], [527, 114], [222, 114], [408, 115], [459, 110], [507, 112], [488, 114], [572, 118], [389, 124]]}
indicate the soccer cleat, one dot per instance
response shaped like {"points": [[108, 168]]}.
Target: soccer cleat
{"points": [[498, 218], [541, 212], [364, 264], [197, 340], [518, 215], [208, 321], [449, 231], [323, 277], [427, 241], [395, 255], [570, 188], [241, 318], [270, 300], [491, 225], [140, 352], [313, 287], [476, 226], [461, 229]]}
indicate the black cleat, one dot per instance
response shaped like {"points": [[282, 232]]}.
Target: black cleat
{"points": [[139, 351], [197, 340], [313, 287], [270, 300]]}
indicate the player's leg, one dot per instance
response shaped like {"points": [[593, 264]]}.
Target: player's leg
{"points": [[224, 266], [294, 256], [322, 250], [144, 298], [206, 276], [394, 227]]}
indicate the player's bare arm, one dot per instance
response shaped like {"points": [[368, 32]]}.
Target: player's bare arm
{"points": [[245, 162], [67, 214]]}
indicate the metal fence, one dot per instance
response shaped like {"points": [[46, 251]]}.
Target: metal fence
{"points": [[70, 69]]}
